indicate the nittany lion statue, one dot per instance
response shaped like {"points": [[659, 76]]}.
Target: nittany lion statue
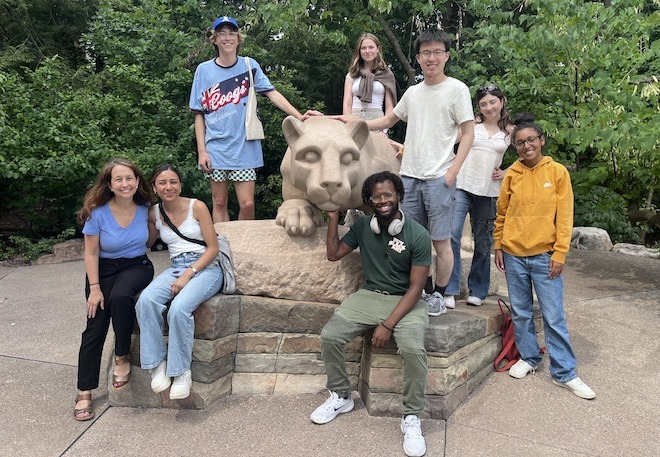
{"points": [[324, 168]]}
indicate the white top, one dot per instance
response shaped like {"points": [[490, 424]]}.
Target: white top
{"points": [[484, 156], [434, 114], [377, 95], [189, 227]]}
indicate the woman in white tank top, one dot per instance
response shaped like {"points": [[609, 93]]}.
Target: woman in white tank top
{"points": [[477, 188], [193, 278]]}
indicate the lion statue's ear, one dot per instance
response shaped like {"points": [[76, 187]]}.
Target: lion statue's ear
{"points": [[359, 131], [292, 129]]}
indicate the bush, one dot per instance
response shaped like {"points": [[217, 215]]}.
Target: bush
{"points": [[602, 208], [22, 246]]}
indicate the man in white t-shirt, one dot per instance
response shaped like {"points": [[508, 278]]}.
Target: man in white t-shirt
{"points": [[435, 110]]}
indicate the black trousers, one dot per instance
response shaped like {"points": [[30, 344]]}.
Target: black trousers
{"points": [[121, 280]]}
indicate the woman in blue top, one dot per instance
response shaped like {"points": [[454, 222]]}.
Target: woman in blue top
{"points": [[115, 212], [193, 278], [218, 98]]}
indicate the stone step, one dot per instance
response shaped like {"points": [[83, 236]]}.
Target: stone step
{"points": [[250, 345]]}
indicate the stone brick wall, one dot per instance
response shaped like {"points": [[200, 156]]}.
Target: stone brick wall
{"points": [[247, 345]]}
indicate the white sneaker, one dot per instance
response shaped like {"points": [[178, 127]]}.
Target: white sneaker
{"points": [[520, 369], [181, 386], [578, 387], [450, 302], [159, 379], [474, 301], [414, 443], [332, 407], [435, 303]]}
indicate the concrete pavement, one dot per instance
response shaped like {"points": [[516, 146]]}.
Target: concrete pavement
{"points": [[613, 314]]}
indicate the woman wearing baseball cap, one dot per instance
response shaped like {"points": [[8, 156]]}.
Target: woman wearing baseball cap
{"points": [[219, 98]]}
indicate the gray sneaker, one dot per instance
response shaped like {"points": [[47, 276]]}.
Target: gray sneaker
{"points": [[435, 303]]}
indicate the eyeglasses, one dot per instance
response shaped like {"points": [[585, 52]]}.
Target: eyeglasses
{"points": [[378, 197], [227, 34], [437, 53], [529, 140], [488, 88]]}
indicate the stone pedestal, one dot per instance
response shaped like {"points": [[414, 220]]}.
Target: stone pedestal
{"points": [[461, 347], [246, 345], [266, 341]]}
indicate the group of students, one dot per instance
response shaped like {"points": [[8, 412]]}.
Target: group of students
{"points": [[525, 213]]}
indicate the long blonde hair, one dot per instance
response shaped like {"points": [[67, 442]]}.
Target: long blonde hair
{"points": [[357, 63], [100, 193]]}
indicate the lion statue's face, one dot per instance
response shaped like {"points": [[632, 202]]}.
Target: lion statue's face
{"points": [[325, 161], [324, 168]]}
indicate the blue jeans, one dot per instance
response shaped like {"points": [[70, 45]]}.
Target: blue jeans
{"points": [[153, 303], [482, 212], [521, 273]]}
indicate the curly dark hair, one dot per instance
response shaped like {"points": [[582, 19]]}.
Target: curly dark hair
{"points": [[378, 178]]}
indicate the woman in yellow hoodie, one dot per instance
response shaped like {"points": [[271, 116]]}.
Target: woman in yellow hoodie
{"points": [[531, 239]]}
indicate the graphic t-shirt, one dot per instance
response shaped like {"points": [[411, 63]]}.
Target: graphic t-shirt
{"points": [[221, 95], [386, 259]]}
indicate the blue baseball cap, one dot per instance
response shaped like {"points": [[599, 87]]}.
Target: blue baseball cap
{"points": [[225, 20]]}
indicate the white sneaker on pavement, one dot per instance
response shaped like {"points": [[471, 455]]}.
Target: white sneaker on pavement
{"points": [[578, 387], [520, 369], [159, 379], [414, 444], [332, 407], [474, 301], [450, 302], [435, 303], [181, 386]]}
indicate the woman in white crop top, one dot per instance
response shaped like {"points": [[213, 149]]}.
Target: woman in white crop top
{"points": [[477, 188], [193, 278]]}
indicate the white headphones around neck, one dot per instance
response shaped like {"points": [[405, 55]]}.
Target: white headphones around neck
{"points": [[393, 229]]}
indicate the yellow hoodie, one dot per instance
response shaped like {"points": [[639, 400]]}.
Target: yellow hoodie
{"points": [[535, 210]]}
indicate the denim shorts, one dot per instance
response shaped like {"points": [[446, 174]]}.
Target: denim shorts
{"points": [[431, 203]]}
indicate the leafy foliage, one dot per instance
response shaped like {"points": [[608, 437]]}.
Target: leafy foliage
{"points": [[28, 248], [111, 77]]}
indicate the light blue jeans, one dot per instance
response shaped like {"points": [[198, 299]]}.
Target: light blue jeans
{"points": [[482, 212], [521, 273], [152, 304]]}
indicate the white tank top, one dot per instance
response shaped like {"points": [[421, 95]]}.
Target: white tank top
{"points": [[189, 227]]}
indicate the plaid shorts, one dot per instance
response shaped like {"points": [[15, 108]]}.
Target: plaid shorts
{"points": [[232, 175]]}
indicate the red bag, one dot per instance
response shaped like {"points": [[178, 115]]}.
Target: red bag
{"points": [[509, 349]]}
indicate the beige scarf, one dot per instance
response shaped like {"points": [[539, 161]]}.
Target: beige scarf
{"points": [[385, 77]]}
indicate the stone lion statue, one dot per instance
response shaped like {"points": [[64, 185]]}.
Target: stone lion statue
{"points": [[324, 168]]}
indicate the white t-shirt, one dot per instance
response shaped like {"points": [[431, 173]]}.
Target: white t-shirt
{"points": [[377, 95], [484, 156], [434, 114]]}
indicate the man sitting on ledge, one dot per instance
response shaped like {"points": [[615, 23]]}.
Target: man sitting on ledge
{"points": [[396, 256]]}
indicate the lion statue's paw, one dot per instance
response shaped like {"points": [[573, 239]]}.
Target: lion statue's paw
{"points": [[299, 217]]}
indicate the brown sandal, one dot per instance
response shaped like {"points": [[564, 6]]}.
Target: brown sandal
{"points": [[119, 382], [86, 409]]}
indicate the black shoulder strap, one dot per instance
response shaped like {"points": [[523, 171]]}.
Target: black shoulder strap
{"points": [[176, 230]]}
